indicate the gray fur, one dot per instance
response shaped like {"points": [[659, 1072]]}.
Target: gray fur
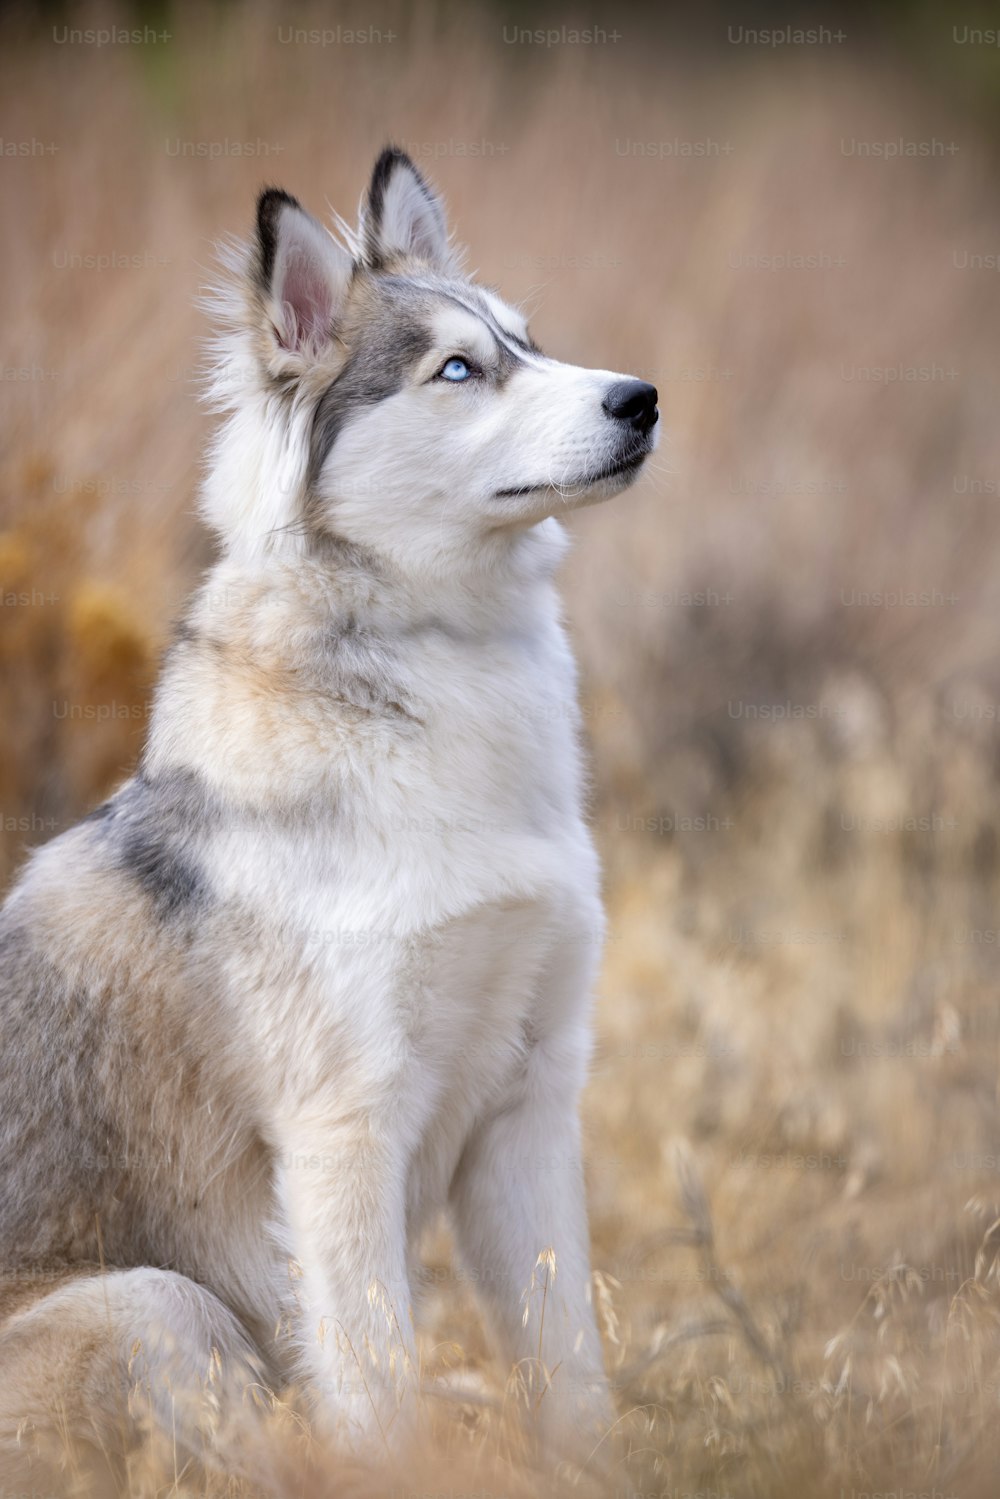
{"points": [[148, 825], [62, 1150], [391, 343], [377, 366]]}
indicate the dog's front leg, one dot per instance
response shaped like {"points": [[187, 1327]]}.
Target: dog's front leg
{"points": [[521, 1226], [343, 1192]]}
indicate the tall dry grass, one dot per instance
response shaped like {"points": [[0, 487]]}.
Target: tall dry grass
{"points": [[793, 1133]]}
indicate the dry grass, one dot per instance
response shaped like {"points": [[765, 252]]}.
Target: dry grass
{"points": [[803, 1298]]}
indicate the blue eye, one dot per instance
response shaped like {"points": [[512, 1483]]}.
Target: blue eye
{"points": [[456, 369]]}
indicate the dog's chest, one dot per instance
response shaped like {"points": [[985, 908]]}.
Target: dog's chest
{"points": [[496, 753], [430, 904], [472, 796]]}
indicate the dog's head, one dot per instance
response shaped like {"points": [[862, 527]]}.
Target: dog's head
{"points": [[415, 407]]}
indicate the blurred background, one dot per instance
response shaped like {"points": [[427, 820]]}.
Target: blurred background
{"points": [[789, 222]]}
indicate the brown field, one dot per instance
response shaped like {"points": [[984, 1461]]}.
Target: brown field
{"points": [[793, 1124]]}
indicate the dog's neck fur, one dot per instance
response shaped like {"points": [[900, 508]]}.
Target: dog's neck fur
{"points": [[292, 649], [497, 584]]}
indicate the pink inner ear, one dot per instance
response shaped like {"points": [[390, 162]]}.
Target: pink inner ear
{"points": [[306, 291]]}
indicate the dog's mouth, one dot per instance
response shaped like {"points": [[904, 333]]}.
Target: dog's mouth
{"points": [[620, 467]]}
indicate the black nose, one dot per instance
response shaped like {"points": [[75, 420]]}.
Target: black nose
{"points": [[633, 401]]}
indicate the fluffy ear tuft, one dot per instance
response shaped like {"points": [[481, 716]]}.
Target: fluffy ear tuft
{"points": [[403, 216], [302, 273]]}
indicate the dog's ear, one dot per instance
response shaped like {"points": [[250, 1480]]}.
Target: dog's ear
{"points": [[302, 274], [403, 216]]}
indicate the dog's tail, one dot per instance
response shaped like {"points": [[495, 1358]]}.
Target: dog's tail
{"points": [[105, 1372]]}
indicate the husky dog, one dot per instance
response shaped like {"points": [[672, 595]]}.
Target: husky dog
{"points": [[321, 969]]}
